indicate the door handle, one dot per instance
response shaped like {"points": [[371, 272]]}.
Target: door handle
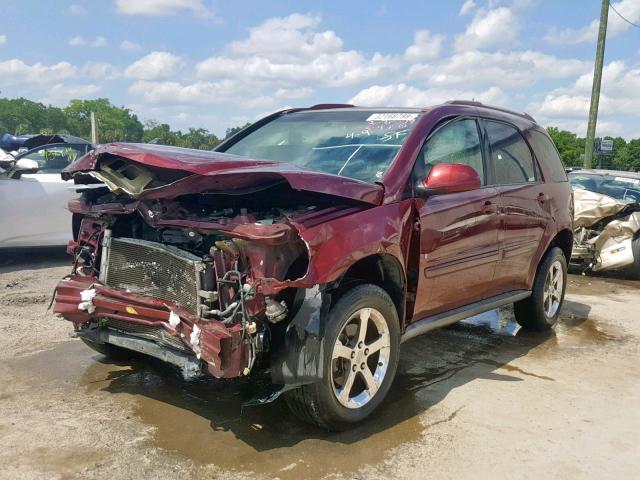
{"points": [[543, 197], [488, 208]]}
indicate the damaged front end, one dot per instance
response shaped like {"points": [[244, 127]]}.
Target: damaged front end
{"points": [[604, 231], [201, 259]]}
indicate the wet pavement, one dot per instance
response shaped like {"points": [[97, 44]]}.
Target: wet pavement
{"points": [[202, 422]]}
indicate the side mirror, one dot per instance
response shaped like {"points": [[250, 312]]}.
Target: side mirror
{"points": [[24, 165], [451, 178]]}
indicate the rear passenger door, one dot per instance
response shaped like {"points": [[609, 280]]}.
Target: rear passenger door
{"points": [[522, 196]]}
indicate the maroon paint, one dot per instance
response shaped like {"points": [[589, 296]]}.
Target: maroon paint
{"points": [[452, 178]]}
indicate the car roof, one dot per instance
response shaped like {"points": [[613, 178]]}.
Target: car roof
{"points": [[598, 171]]}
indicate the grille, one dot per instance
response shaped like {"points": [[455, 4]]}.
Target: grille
{"points": [[146, 331], [154, 270]]}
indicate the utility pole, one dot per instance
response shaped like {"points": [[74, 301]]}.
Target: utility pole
{"points": [[94, 129], [597, 81]]}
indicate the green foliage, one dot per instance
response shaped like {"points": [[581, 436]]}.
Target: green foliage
{"points": [[232, 131], [626, 155], [115, 124]]}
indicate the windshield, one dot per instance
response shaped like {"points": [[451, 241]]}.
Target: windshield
{"points": [[621, 188], [354, 144]]}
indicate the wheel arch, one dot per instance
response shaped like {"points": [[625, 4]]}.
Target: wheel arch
{"points": [[564, 241], [381, 269]]}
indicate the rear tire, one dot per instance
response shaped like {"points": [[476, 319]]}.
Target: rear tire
{"points": [[112, 352], [358, 365], [541, 310]]}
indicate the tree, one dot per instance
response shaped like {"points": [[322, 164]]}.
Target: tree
{"points": [[115, 124], [570, 147], [161, 133], [232, 131], [199, 138]]}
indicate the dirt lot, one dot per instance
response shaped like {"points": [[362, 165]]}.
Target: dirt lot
{"points": [[477, 399]]}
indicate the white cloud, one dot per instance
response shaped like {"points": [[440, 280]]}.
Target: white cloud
{"points": [[294, 93], [570, 105], [425, 46], [290, 51], [508, 70], [154, 65], [100, 70], [79, 41], [467, 7], [489, 28], [283, 38], [403, 95], [162, 7], [336, 70], [3, 39], [61, 94], [630, 9], [130, 46], [76, 10], [15, 71], [185, 94]]}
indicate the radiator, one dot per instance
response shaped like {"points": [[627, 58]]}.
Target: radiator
{"points": [[153, 269]]}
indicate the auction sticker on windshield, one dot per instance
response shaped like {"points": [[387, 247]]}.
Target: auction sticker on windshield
{"points": [[392, 117]]}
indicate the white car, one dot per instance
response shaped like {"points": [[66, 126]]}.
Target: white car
{"points": [[33, 197]]}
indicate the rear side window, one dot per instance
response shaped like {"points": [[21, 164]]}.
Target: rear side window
{"points": [[548, 154], [511, 157]]}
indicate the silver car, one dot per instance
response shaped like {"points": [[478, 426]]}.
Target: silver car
{"points": [[606, 220], [33, 197]]}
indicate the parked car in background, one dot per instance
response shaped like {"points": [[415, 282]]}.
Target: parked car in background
{"points": [[607, 220], [33, 197], [309, 245], [13, 143]]}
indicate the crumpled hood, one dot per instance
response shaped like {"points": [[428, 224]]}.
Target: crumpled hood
{"points": [[221, 171]]}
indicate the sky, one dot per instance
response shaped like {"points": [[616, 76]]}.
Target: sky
{"points": [[219, 63]]}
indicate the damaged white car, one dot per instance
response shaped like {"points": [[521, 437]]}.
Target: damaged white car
{"points": [[606, 221]]}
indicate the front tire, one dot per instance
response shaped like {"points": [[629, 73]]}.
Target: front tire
{"points": [[361, 351], [541, 310]]}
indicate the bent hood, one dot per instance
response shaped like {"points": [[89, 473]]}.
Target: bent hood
{"points": [[184, 170]]}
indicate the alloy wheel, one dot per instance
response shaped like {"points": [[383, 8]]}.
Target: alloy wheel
{"points": [[360, 358], [553, 286]]}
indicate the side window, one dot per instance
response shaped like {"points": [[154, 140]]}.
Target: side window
{"points": [[547, 153], [458, 142], [510, 155], [53, 158]]}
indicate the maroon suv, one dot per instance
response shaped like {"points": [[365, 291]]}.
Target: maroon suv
{"points": [[311, 244]]}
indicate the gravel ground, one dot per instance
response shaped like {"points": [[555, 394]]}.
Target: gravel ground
{"points": [[477, 399]]}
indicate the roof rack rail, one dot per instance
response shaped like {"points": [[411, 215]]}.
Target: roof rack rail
{"points": [[480, 104], [325, 106], [465, 102]]}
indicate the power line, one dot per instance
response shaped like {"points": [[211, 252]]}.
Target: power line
{"points": [[620, 15]]}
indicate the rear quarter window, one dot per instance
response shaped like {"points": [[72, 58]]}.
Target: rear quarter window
{"points": [[547, 153]]}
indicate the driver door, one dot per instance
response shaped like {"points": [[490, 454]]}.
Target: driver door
{"points": [[458, 231]]}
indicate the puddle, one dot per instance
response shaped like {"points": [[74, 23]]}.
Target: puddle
{"points": [[203, 420]]}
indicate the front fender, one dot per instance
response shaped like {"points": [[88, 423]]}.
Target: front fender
{"points": [[297, 358]]}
